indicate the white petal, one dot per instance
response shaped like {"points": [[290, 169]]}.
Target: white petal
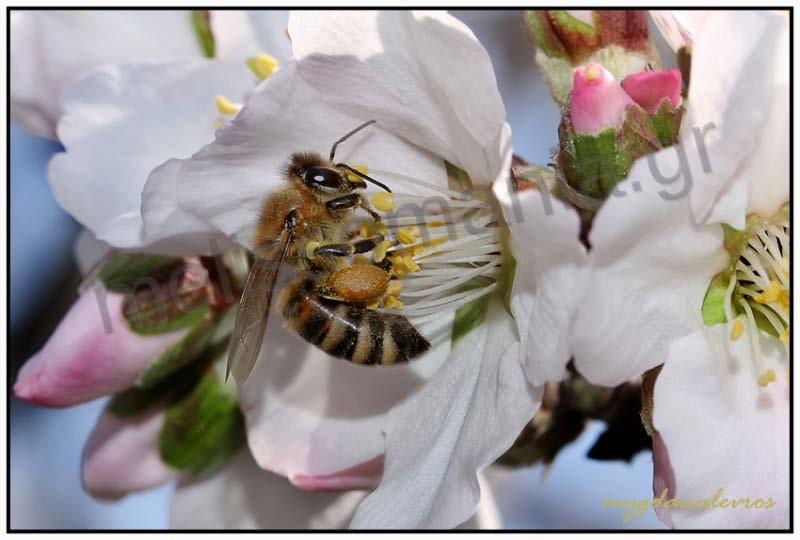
{"points": [[423, 76], [679, 28], [740, 89], [651, 267], [123, 121], [309, 414], [168, 228], [122, 456], [465, 417], [551, 271], [242, 496], [50, 49], [227, 181], [722, 431], [88, 251], [241, 34]]}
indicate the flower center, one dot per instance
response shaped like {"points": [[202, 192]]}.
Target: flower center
{"points": [[442, 250], [757, 297]]}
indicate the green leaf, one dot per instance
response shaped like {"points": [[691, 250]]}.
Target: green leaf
{"points": [[667, 123], [202, 30], [714, 303], [190, 347], [203, 428], [594, 163], [125, 271], [543, 36], [160, 325], [468, 317], [579, 38], [135, 400]]}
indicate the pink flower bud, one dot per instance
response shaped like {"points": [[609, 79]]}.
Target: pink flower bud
{"points": [[366, 475], [122, 455], [650, 88], [597, 101], [93, 353]]}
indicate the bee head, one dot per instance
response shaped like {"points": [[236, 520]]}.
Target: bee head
{"points": [[312, 172]]}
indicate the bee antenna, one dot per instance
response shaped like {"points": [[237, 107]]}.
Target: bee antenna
{"points": [[348, 135], [364, 176]]}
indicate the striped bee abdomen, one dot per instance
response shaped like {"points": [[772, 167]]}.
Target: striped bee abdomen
{"points": [[357, 334]]}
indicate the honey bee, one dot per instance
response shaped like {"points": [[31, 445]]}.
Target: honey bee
{"points": [[326, 304]]}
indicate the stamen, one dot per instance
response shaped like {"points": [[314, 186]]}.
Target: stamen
{"points": [[384, 201], [737, 330], [392, 302], [263, 65], [360, 168], [224, 106], [766, 377], [759, 282], [447, 250], [408, 235], [770, 294], [379, 253]]}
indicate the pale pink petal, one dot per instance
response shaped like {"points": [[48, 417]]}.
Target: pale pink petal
{"points": [[663, 478], [122, 456], [597, 101], [243, 496], [650, 88], [93, 353], [366, 475]]}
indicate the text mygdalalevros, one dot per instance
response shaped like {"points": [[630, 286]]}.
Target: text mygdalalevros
{"points": [[637, 507]]}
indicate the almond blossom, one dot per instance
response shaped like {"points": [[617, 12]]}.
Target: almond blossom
{"points": [[690, 269]]}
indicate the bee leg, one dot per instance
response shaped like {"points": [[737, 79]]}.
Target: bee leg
{"points": [[346, 249], [353, 200]]}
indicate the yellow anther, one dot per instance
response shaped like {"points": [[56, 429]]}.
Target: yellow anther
{"points": [[384, 201], [360, 168], [767, 377], [368, 228], [785, 266], [379, 252], [394, 289], [784, 335], [226, 107], [737, 330], [311, 247], [392, 302], [408, 235], [783, 298], [592, 73], [263, 65], [417, 249], [436, 223], [361, 259], [770, 294], [403, 265]]}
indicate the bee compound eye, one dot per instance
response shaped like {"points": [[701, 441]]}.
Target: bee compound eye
{"points": [[322, 177]]}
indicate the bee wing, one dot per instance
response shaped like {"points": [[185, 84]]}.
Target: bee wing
{"points": [[252, 316]]}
